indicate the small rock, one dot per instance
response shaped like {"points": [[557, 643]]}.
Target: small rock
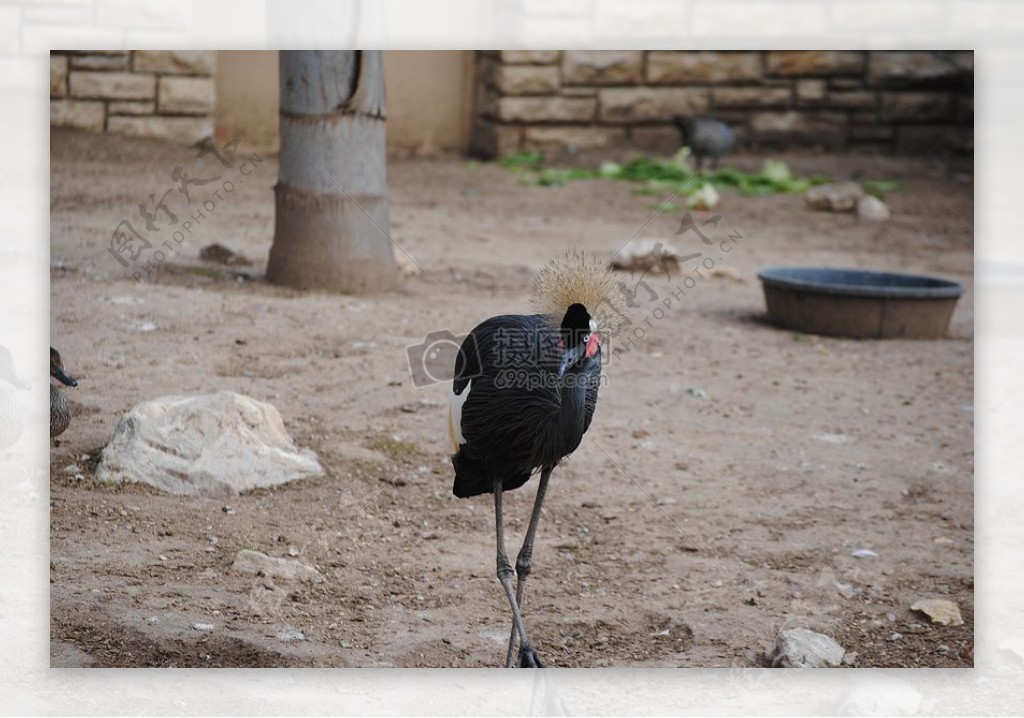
{"points": [[872, 209], [145, 327], [896, 637], [248, 561], [721, 272], [847, 590], [72, 469], [697, 393], [802, 648], [643, 255], [291, 634], [890, 616], [222, 255], [939, 611], [202, 626], [835, 196], [407, 267], [863, 553]]}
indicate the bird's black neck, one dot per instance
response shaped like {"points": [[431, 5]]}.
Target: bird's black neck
{"points": [[571, 417]]}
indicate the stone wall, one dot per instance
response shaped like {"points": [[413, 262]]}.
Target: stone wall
{"points": [[871, 101], [165, 94]]}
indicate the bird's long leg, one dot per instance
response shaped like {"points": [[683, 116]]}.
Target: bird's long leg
{"points": [[505, 575], [523, 560]]}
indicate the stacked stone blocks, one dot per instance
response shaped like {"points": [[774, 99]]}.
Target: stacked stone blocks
{"points": [[874, 101], [163, 94]]}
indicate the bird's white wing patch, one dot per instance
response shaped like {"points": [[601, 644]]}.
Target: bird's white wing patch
{"points": [[455, 417]]}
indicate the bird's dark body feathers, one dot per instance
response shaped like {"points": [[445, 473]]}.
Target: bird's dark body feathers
{"points": [[519, 415], [707, 137]]}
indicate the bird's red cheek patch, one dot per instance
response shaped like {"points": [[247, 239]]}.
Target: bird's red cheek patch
{"points": [[592, 344]]}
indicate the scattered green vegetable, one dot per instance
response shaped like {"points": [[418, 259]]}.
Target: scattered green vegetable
{"points": [[676, 176], [522, 161], [662, 176], [879, 188]]}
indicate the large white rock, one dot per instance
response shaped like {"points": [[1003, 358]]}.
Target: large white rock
{"points": [[210, 445]]}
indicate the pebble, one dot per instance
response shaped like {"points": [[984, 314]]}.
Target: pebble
{"points": [[291, 634], [835, 196], [872, 209], [260, 564], [847, 590], [863, 553], [896, 637], [203, 626], [72, 469], [939, 610]]}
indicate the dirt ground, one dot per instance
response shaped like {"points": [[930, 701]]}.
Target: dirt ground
{"points": [[730, 471]]}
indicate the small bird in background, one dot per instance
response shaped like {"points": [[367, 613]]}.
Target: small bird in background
{"points": [[524, 393], [707, 137], [60, 413], [11, 425]]}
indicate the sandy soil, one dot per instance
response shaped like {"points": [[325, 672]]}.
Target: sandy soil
{"points": [[730, 471]]}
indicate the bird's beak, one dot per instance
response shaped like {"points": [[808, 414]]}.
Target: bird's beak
{"points": [[570, 357], [63, 378]]}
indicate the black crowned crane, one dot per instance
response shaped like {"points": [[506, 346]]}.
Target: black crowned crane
{"points": [[524, 393]]}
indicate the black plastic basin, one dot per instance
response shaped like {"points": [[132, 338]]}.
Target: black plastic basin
{"points": [[859, 303]]}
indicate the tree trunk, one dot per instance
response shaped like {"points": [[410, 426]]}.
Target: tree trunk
{"points": [[331, 229]]}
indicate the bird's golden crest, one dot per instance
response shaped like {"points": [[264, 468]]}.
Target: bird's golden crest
{"points": [[575, 277]]}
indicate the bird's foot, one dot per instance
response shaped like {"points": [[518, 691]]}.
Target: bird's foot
{"points": [[528, 658]]}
